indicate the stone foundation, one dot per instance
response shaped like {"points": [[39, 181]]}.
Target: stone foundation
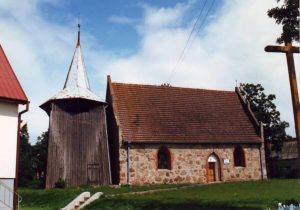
{"points": [[189, 164]]}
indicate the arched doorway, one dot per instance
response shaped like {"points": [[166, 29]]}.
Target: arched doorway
{"points": [[213, 169]]}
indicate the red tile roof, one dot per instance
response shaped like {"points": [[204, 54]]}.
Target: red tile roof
{"points": [[147, 113], [10, 88]]}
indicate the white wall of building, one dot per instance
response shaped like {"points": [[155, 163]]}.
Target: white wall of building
{"points": [[8, 139], [6, 194]]}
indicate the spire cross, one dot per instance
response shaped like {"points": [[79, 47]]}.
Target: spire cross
{"points": [[78, 39], [289, 50]]}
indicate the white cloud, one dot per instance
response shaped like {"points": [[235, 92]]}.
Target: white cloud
{"points": [[159, 18], [231, 48], [122, 20]]}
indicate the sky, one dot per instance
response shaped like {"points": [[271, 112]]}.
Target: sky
{"points": [[140, 41]]}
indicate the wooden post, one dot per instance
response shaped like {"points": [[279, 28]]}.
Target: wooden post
{"points": [[288, 49]]}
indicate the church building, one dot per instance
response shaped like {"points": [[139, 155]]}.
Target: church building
{"points": [[149, 134], [163, 134]]}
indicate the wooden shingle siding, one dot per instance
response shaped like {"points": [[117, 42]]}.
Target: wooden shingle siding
{"points": [[78, 147]]}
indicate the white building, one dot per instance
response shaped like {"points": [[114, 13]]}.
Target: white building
{"points": [[11, 97]]}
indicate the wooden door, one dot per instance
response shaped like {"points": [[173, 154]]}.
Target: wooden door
{"points": [[93, 171], [211, 172]]}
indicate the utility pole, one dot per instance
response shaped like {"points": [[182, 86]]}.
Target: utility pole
{"points": [[289, 50]]}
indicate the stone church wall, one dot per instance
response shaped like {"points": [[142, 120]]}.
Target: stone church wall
{"points": [[188, 164]]}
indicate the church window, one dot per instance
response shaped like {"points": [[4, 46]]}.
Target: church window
{"points": [[239, 157], [164, 158]]}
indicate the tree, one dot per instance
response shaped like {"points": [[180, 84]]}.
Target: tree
{"points": [[288, 16], [33, 160], [26, 172], [265, 111], [39, 156]]}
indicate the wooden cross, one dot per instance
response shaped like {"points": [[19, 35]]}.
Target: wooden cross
{"points": [[288, 49]]}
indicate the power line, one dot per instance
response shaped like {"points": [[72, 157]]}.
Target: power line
{"points": [[188, 43], [200, 27], [188, 40], [210, 8]]}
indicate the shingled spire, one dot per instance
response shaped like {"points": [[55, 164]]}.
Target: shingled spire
{"points": [[77, 83], [77, 76]]}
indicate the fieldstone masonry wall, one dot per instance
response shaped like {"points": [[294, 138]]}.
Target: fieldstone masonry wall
{"points": [[189, 164]]}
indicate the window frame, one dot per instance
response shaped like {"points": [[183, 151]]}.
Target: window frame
{"points": [[167, 154], [239, 157]]}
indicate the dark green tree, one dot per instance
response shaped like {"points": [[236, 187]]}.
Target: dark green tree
{"points": [[264, 108], [26, 172], [39, 157], [288, 16]]}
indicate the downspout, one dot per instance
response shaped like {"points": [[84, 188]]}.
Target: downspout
{"points": [[261, 165], [260, 150], [18, 154], [128, 163]]}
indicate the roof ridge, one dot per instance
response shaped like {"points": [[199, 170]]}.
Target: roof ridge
{"points": [[246, 103], [113, 97], [174, 87]]}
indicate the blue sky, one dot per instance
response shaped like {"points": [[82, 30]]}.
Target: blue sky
{"points": [[140, 42], [101, 18], [94, 18]]}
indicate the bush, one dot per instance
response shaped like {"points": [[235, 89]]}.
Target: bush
{"points": [[60, 183], [36, 184], [292, 201]]}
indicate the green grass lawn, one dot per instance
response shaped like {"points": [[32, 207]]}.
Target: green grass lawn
{"points": [[243, 195], [34, 199]]}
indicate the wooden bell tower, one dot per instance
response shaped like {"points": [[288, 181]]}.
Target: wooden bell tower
{"points": [[78, 145]]}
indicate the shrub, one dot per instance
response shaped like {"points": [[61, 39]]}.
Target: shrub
{"points": [[36, 184], [60, 183], [292, 201]]}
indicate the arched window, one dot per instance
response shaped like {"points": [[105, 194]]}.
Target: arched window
{"points": [[164, 158], [239, 157]]}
